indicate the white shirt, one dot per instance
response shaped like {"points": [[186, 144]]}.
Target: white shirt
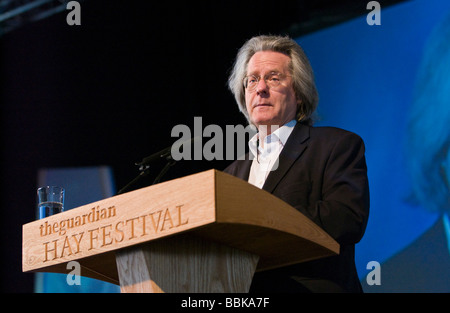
{"points": [[265, 159]]}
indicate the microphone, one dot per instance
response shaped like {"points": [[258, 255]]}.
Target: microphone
{"points": [[166, 153]]}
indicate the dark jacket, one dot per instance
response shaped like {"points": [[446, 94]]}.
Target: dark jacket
{"points": [[322, 173]]}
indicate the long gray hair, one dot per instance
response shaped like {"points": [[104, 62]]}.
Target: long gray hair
{"points": [[301, 71]]}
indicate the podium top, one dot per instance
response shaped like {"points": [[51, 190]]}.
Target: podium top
{"points": [[211, 204]]}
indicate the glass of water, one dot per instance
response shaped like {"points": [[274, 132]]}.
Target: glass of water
{"points": [[50, 200]]}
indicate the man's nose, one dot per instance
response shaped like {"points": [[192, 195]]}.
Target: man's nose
{"points": [[262, 87]]}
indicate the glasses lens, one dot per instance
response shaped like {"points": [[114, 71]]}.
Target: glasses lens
{"points": [[272, 80], [250, 82]]}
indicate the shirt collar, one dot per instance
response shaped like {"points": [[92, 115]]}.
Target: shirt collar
{"points": [[284, 131], [281, 134]]}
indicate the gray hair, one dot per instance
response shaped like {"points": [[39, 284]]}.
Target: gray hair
{"points": [[301, 71]]}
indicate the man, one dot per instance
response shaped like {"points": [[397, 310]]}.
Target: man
{"points": [[319, 171]]}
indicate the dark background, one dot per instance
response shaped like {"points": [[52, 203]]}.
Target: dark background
{"points": [[110, 91]]}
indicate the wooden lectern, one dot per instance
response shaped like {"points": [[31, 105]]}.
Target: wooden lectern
{"points": [[207, 232]]}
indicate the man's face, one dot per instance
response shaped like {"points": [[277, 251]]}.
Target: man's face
{"points": [[270, 105]]}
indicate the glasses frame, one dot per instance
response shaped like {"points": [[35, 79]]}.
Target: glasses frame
{"points": [[269, 83]]}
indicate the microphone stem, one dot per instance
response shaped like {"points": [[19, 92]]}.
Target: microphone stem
{"points": [[143, 173]]}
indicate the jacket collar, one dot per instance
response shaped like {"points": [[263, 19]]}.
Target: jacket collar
{"points": [[295, 145]]}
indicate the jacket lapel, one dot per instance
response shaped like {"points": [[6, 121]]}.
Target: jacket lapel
{"points": [[295, 145]]}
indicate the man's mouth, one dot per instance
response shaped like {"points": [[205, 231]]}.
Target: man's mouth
{"points": [[261, 105]]}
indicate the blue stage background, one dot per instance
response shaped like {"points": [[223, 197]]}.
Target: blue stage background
{"points": [[366, 76]]}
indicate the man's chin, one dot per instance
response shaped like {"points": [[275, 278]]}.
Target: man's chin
{"points": [[262, 120], [268, 125]]}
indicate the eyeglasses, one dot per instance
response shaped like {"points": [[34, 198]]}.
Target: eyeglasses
{"points": [[272, 80]]}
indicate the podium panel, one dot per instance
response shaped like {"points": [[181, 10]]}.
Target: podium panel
{"points": [[210, 206]]}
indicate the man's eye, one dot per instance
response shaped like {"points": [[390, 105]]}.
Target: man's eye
{"points": [[274, 77]]}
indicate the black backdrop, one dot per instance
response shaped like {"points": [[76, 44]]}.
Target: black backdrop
{"points": [[109, 92]]}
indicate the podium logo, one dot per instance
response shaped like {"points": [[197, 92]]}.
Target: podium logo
{"points": [[66, 239]]}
